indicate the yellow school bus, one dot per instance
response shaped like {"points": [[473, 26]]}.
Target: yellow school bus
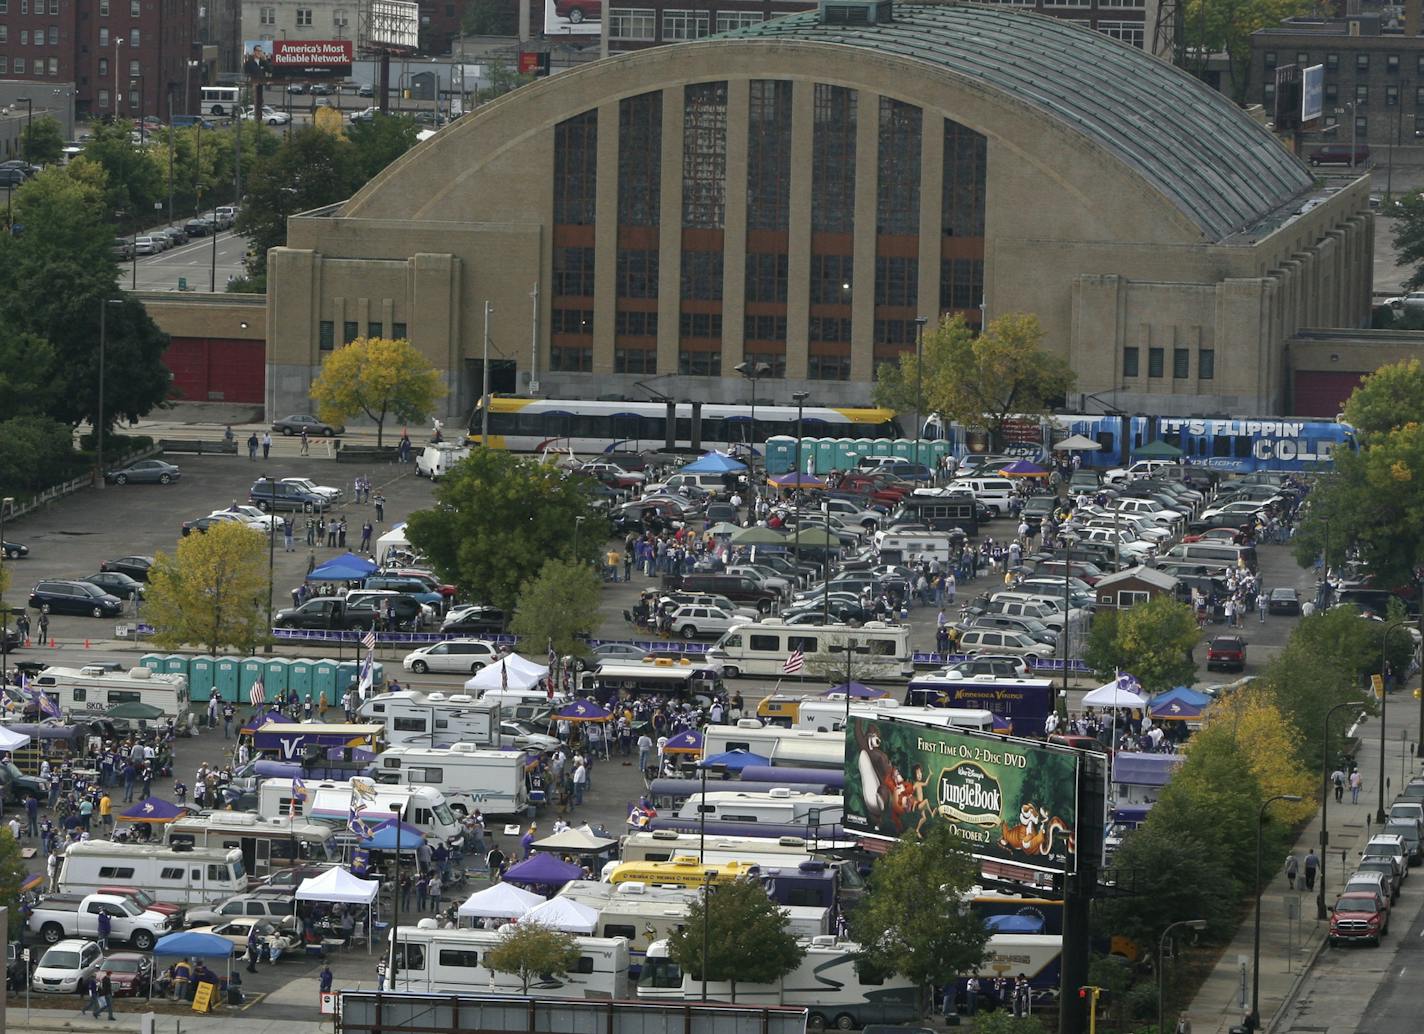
{"points": [[779, 709], [682, 871]]}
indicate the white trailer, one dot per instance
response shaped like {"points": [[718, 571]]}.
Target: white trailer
{"points": [[494, 781], [413, 718], [450, 961], [194, 876], [90, 692]]}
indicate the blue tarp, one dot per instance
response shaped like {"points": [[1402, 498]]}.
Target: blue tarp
{"points": [[714, 463], [347, 568], [1145, 769], [383, 837], [735, 760], [190, 942]]}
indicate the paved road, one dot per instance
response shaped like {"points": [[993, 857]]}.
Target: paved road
{"points": [[1396, 1001], [193, 261]]}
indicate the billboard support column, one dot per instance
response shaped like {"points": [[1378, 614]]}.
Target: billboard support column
{"points": [[1078, 892], [383, 102]]}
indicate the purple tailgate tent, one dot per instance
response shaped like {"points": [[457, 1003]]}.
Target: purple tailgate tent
{"points": [[543, 870], [154, 810], [689, 741]]}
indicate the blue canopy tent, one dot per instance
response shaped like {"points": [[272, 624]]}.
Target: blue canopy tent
{"points": [[714, 463], [191, 944], [1178, 705], [346, 568], [383, 837], [857, 691], [543, 870], [734, 760]]}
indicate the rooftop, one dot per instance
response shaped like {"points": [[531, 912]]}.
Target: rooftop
{"points": [[1189, 142]]}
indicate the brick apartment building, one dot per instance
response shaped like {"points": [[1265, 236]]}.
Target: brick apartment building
{"points": [[123, 56]]}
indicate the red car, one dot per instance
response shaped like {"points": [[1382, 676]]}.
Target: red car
{"points": [[1227, 652], [579, 10], [1234, 536], [128, 973]]}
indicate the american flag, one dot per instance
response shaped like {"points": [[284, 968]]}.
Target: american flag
{"points": [[369, 639], [257, 695], [795, 664], [503, 676]]}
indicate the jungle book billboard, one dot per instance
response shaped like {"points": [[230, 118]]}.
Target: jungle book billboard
{"points": [[1008, 799]]}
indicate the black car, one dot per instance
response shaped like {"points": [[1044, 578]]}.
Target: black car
{"points": [[67, 597], [116, 584], [1283, 600], [475, 620], [10, 640], [320, 90], [202, 524], [15, 550], [198, 227], [136, 567]]}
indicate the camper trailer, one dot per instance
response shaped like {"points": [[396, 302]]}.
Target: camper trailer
{"points": [[453, 961]]}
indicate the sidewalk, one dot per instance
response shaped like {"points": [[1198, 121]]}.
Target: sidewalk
{"points": [[67, 1021], [1291, 936]]}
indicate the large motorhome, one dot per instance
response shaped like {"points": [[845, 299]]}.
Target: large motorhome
{"points": [[796, 747], [493, 781], [434, 719], [266, 844], [1025, 703], [430, 959], [90, 692], [194, 876], [423, 807], [779, 811], [879, 651], [823, 715]]}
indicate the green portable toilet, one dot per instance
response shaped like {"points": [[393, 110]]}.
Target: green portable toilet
{"points": [[225, 677], [834, 454], [347, 672], [200, 677], [250, 671], [323, 680], [903, 448], [299, 675], [880, 447], [152, 661], [938, 450], [378, 677], [274, 674], [175, 664], [780, 454]]}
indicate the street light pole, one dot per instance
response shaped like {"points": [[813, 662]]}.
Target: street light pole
{"points": [[1190, 924], [1068, 541], [752, 372], [118, 42], [920, 322], [1320, 912], [29, 124], [706, 909], [800, 398], [1392, 626], [578, 523], [1254, 1020], [849, 649], [99, 421], [5, 505]]}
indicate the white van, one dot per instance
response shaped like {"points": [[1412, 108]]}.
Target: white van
{"points": [[491, 780], [436, 460], [995, 493], [430, 960], [881, 651], [901, 548], [192, 876], [1002, 640]]}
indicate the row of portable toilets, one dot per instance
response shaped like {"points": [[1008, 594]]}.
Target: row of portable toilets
{"points": [[823, 455], [234, 677]]}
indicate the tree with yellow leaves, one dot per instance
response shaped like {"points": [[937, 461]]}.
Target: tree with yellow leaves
{"points": [[379, 377], [1270, 745], [213, 591]]}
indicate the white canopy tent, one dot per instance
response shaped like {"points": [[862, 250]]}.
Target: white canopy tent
{"points": [[511, 671], [12, 740], [577, 841], [338, 887], [393, 539], [1113, 695], [501, 901], [563, 914]]}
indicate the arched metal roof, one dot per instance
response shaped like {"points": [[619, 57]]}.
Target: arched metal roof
{"points": [[1220, 168]]}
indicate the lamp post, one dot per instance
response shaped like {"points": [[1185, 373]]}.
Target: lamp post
{"points": [[118, 42], [271, 580], [1189, 924], [29, 123], [706, 909], [1320, 912], [578, 524], [99, 420], [920, 322], [800, 398], [142, 137], [849, 649], [825, 566], [398, 809], [5, 505], [1392, 626], [752, 372], [1254, 1020]]}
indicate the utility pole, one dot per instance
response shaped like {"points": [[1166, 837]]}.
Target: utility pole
{"points": [[534, 341], [485, 382]]}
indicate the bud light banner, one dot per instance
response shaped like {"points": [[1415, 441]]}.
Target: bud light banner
{"points": [[1007, 799]]}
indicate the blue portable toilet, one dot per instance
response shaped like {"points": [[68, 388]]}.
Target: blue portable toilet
{"points": [[225, 677], [879, 447], [299, 675], [152, 661], [249, 672], [175, 664], [348, 672], [780, 454], [275, 672], [201, 677], [323, 679]]}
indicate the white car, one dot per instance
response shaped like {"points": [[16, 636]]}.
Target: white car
{"points": [[147, 246], [334, 495], [513, 736], [1244, 507], [849, 513], [65, 964], [271, 116], [697, 622], [1412, 300], [251, 515], [456, 655], [1140, 469]]}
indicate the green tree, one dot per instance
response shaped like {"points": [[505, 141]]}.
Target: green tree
{"points": [[133, 180], [978, 380], [377, 143], [311, 169], [1225, 26], [914, 919], [746, 934], [1002, 1021], [379, 377], [27, 372], [1387, 399], [1152, 640], [43, 141], [35, 451], [559, 605], [1160, 872], [213, 592], [497, 517], [502, 79], [1408, 237], [532, 949], [12, 877]]}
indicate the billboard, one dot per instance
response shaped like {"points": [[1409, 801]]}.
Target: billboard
{"points": [[1312, 93], [573, 17], [1008, 799], [1286, 115], [393, 23], [297, 59]]}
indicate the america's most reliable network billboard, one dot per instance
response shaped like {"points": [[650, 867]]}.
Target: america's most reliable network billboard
{"points": [[1007, 799], [297, 59]]}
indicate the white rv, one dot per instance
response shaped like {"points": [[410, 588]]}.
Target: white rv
{"points": [[423, 807], [266, 844], [494, 781], [775, 807], [436, 459], [820, 714], [798, 747], [831, 983], [90, 692], [193, 876], [434, 719], [879, 651], [432, 960]]}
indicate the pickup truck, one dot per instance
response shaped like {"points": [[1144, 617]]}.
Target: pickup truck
{"points": [[16, 786], [1359, 916], [330, 612], [77, 915]]}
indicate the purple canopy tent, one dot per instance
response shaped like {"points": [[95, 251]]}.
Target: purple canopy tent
{"points": [[689, 741], [580, 711], [543, 870], [153, 810]]}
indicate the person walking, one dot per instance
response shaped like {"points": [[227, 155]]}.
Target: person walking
{"points": [[1337, 780], [580, 782], [1261, 605], [266, 444], [971, 996], [380, 508], [252, 943], [1292, 869], [89, 986], [105, 927], [434, 889], [1355, 785], [252, 446], [44, 627], [1312, 866], [306, 443], [366, 530], [289, 532], [32, 816]]}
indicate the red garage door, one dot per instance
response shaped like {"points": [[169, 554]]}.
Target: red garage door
{"points": [[216, 369], [1323, 393]]}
